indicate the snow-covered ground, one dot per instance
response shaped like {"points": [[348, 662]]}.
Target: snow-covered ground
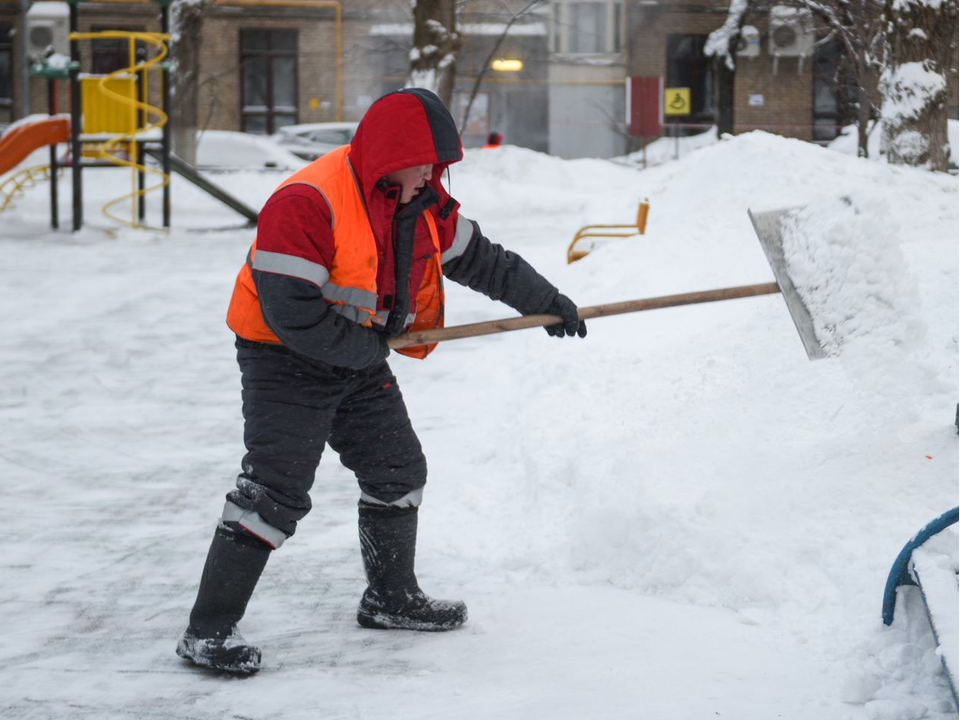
{"points": [[678, 517]]}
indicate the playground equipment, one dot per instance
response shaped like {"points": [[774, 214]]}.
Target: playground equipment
{"points": [[110, 107], [916, 565], [20, 142], [591, 232], [111, 124]]}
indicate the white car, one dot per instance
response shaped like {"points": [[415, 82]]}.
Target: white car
{"points": [[311, 140]]}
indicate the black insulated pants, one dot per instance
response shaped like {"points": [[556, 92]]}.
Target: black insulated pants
{"points": [[293, 406]]}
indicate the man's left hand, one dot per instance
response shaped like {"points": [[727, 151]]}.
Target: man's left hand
{"points": [[572, 324]]}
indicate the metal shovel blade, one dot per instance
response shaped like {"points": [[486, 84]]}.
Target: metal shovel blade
{"points": [[768, 228]]}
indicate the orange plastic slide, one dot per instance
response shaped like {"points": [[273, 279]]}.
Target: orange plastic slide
{"points": [[23, 139]]}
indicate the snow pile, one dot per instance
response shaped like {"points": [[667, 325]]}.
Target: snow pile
{"points": [[680, 500], [844, 259]]}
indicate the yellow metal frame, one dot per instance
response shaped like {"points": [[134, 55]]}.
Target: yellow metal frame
{"points": [[101, 114], [126, 141], [590, 232], [26, 178]]}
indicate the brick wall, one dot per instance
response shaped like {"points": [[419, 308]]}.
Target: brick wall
{"points": [[219, 95], [787, 94]]}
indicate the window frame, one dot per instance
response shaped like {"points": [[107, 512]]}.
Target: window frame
{"points": [[270, 113], [561, 28], [830, 71], [102, 49]]}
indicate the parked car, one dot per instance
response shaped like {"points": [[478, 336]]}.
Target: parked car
{"points": [[311, 140]]}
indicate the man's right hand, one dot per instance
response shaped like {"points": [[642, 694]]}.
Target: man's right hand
{"points": [[567, 310]]}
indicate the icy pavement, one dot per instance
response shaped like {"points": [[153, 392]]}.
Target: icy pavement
{"points": [[678, 517]]}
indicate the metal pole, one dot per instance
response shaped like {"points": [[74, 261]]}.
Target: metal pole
{"points": [[54, 196], [76, 147], [165, 80], [24, 62], [141, 156]]}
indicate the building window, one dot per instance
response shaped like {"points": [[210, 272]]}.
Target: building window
{"points": [[268, 59], [6, 73], [112, 54], [835, 92], [587, 27], [688, 67]]}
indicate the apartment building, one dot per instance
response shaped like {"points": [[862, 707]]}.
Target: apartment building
{"points": [[554, 79]]}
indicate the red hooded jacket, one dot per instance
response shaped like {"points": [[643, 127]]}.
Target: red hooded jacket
{"points": [[403, 129]]}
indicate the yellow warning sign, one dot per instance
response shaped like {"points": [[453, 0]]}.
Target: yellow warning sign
{"points": [[676, 101]]}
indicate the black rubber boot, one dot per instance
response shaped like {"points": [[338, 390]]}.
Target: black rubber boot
{"points": [[233, 567], [393, 600]]}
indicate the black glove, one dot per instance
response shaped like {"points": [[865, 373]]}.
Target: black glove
{"points": [[382, 349], [571, 325]]}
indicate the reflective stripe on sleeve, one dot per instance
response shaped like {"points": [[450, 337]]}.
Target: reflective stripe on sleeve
{"points": [[253, 523], [352, 312], [349, 295], [292, 266], [460, 240]]}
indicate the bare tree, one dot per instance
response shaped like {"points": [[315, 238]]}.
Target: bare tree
{"points": [[186, 20], [525, 10], [920, 38], [856, 24], [721, 45], [436, 44]]}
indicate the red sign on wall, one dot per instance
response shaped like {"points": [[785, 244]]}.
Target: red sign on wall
{"points": [[644, 95]]}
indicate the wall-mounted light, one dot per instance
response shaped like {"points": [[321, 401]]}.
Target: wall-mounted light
{"points": [[507, 65]]}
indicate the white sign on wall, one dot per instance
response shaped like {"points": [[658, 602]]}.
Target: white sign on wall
{"points": [[755, 100]]}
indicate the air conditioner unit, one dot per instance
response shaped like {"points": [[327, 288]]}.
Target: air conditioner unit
{"points": [[48, 26], [791, 32], [749, 43]]}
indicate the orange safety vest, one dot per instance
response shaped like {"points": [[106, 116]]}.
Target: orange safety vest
{"points": [[350, 288]]}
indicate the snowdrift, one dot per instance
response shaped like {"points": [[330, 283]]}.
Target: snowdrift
{"points": [[680, 512]]}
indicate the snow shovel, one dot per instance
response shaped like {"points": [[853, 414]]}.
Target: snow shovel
{"points": [[767, 226]]}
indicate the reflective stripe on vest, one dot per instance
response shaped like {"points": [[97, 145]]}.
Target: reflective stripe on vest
{"points": [[350, 285]]}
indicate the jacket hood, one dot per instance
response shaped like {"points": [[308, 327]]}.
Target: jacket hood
{"points": [[403, 129]]}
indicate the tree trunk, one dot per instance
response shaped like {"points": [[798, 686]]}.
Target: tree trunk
{"points": [[864, 103], [919, 40], [721, 45], [436, 43], [725, 96], [186, 25]]}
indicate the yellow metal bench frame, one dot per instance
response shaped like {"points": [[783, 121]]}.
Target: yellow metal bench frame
{"points": [[594, 232]]}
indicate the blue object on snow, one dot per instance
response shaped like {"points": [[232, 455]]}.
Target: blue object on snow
{"points": [[900, 572], [903, 573]]}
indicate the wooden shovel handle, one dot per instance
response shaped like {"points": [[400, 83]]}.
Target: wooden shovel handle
{"points": [[490, 327]]}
